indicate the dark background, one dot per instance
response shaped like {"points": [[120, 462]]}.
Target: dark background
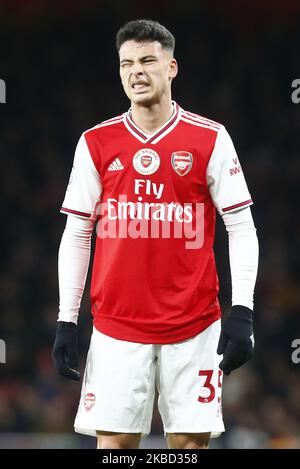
{"points": [[237, 61]]}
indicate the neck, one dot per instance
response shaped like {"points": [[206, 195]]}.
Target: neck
{"points": [[150, 118]]}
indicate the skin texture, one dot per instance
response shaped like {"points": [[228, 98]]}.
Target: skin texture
{"points": [[152, 68], [110, 440]]}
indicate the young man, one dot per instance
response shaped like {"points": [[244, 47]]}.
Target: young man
{"points": [[151, 178]]}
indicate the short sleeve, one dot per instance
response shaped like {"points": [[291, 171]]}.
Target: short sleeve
{"points": [[225, 178], [84, 189]]}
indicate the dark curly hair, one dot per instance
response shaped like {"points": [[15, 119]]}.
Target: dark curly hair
{"points": [[145, 30]]}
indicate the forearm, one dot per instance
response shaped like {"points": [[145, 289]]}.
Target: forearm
{"points": [[243, 255], [73, 263]]}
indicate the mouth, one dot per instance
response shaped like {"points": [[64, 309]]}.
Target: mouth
{"points": [[140, 86]]}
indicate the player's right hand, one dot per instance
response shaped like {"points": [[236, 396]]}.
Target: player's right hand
{"points": [[65, 350]]}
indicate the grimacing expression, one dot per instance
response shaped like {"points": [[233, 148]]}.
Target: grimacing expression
{"points": [[146, 71]]}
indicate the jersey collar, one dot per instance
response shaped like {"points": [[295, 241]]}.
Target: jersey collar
{"points": [[158, 134]]}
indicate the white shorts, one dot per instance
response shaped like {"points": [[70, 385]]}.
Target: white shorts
{"points": [[119, 385]]}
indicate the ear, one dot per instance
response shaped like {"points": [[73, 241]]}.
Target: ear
{"points": [[173, 68]]}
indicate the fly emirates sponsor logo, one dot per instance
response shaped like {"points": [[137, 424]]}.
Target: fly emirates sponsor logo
{"points": [[120, 218]]}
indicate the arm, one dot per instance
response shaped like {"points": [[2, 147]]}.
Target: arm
{"points": [[243, 255], [73, 263], [231, 197], [236, 341], [80, 204]]}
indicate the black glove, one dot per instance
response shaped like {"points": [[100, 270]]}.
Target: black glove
{"points": [[236, 341], [65, 353]]}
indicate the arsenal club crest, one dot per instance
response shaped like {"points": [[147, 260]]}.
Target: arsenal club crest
{"points": [[89, 401], [146, 161], [182, 162]]}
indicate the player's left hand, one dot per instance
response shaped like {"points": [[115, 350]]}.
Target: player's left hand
{"points": [[236, 341], [65, 353]]}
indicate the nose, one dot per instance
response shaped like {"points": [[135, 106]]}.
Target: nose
{"points": [[137, 69]]}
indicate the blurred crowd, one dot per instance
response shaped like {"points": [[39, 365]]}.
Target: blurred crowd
{"points": [[61, 73]]}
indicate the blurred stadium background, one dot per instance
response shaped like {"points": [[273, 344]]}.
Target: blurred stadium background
{"points": [[237, 60]]}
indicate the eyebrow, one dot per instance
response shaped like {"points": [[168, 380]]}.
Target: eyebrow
{"points": [[142, 58]]}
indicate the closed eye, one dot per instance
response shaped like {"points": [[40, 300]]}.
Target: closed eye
{"points": [[149, 61]]}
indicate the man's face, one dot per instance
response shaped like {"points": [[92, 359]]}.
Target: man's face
{"points": [[146, 71]]}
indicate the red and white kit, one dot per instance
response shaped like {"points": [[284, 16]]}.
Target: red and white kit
{"points": [[152, 288]]}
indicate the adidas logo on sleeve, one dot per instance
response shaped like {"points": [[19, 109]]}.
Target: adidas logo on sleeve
{"points": [[116, 165]]}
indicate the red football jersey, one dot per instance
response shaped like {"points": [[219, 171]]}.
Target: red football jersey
{"points": [[153, 197]]}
